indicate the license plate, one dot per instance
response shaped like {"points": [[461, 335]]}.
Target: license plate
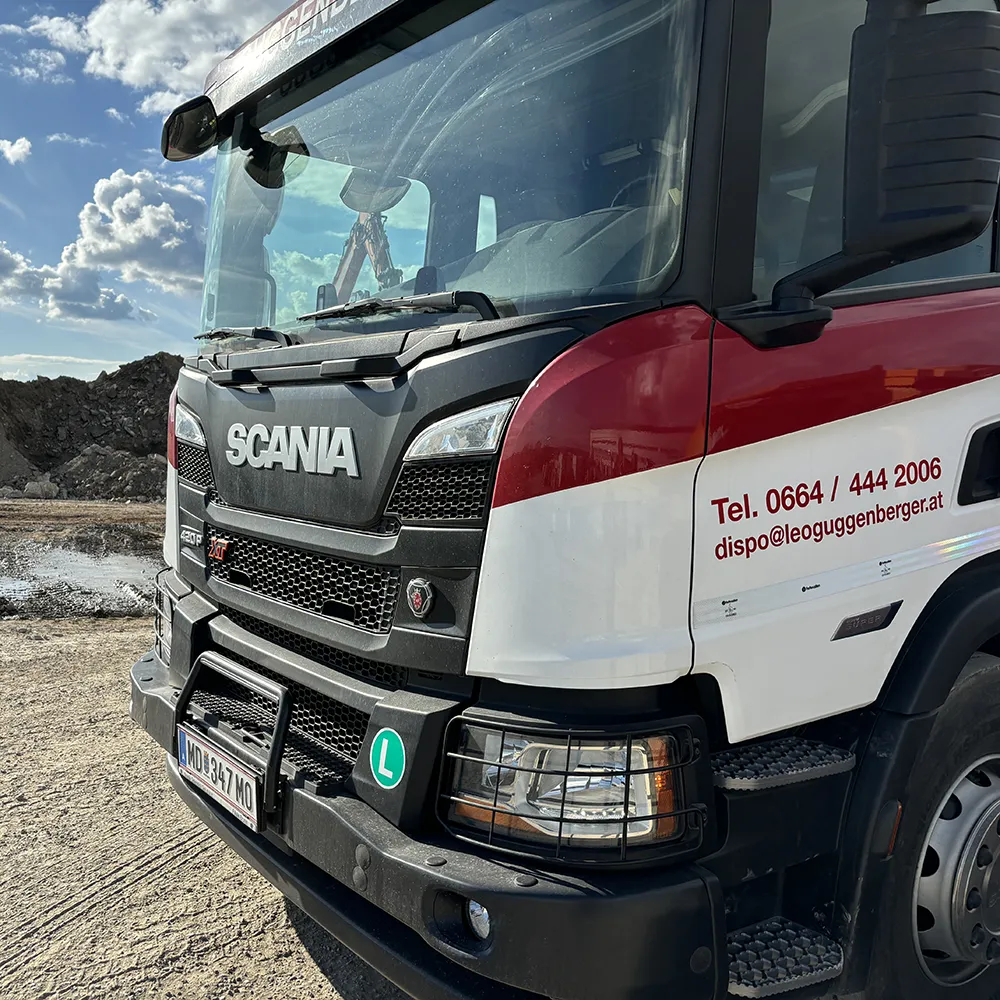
{"points": [[233, 785]]}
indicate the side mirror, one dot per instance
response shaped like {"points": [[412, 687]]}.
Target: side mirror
{"points": [[922, 164], [190, 130], [923, 135]]}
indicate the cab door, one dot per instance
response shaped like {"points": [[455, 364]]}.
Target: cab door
{"points": [[828, 508]]}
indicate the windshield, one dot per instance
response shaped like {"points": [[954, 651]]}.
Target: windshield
{"points": [[533, 151]]}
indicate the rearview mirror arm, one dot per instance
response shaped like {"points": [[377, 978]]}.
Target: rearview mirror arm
{"points": [[793, 316]]}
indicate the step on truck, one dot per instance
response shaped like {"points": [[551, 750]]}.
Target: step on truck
{"points": [[583, 527]]}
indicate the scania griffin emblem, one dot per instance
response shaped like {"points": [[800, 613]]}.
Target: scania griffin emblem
{"points": [[323, 450], [420, 597]]}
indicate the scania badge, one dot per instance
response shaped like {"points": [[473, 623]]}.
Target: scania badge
{"points": [[420, 597]]}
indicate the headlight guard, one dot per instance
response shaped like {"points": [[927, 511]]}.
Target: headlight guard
{"points": [[577, 795]]}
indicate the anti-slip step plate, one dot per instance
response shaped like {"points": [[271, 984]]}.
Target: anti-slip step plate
{"points": [[777, 955], [758, 766]]}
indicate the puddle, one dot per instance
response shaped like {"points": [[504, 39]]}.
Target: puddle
{"points": [[49, 581]]}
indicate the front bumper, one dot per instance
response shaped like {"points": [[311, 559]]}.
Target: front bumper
{"points": [[397, 901]]}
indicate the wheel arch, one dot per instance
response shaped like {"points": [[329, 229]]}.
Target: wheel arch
{"points": [[961, 618]]}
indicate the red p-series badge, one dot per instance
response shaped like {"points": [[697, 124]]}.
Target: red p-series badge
{"points": [[218, 548]]}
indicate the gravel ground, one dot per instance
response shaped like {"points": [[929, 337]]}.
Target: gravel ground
{"points": [[109, 888]]}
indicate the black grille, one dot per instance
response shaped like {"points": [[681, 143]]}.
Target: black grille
{"points": [[194, 466], [357, 593], [385, 526], [442, 491], [324, 735], [382, 674]]}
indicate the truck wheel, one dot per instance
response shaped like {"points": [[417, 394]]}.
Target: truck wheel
{"points": [[939, 926]]}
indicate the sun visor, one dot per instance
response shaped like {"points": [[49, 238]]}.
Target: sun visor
{"points": [[285, 43]]}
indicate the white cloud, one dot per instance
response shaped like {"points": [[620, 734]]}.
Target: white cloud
{"points": [[164, 48], [139, 228], [16, 151], [192, 181], [28, 366], [63, 32], [160, 104], [12, 29], [297, 276], [146, 229], [117, 116], [41, 65], [74, 140]]}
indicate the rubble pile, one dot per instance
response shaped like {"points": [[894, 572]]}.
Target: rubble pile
{"points": [[100, 440]]}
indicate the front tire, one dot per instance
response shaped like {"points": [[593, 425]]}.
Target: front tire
{"points": [[939, 924]]}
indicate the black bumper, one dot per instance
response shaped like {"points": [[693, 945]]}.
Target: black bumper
{"points": [[397, 901]]}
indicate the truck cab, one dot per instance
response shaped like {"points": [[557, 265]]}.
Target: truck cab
{"points": [[584, 499]]}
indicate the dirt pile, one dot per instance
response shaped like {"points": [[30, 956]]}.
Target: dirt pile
{"points": [[100, 440], [106, 474]]}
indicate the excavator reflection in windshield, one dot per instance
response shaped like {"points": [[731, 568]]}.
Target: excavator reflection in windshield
{"points": [[365, 194]]}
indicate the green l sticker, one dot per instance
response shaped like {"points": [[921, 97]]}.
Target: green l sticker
{"points": [[388, 758]]}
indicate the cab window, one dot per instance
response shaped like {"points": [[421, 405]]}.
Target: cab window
{"points": [[800, 201]]}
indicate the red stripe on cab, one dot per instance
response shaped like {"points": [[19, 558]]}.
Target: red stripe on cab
{"points": [[868, 357], [629, 398]]}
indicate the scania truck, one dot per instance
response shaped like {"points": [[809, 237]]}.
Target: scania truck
{"points": [[583, 527]]}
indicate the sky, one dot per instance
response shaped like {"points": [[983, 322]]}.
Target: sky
{"points": [[102, 242]]}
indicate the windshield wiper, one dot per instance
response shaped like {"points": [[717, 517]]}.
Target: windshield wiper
{"points": [[439, 302], [249, 333]]}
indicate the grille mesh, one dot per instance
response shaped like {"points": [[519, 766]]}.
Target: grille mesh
{"points": [[382, 674], [193, 465], [360, 594], [324, 735], [442, 491]]}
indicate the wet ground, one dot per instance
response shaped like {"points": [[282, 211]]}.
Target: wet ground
{"points": [[63, 559]]}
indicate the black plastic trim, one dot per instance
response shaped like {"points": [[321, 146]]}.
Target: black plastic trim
{"points": [[413, 545], [911, 290], [767, 325], [681, 911], [393, 950], [356, 866], [889, 747], [334, 684], [371, 345], [739, 151], [978, 485], [866, 622], [774, 829], [962, 615], [260, 685], [402, 647]]}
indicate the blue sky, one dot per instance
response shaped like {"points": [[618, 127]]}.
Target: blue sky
{"points": [[101, 241]]}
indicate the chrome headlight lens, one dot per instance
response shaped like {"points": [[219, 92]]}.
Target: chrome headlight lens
{"points": [[187, 427], [571, 795], [474, 432]]}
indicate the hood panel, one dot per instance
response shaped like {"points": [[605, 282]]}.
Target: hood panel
{"points": [[361, 430]]}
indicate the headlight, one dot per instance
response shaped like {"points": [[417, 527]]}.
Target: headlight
{"points": [[564, 794], [187, 426], [475, 432]]}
